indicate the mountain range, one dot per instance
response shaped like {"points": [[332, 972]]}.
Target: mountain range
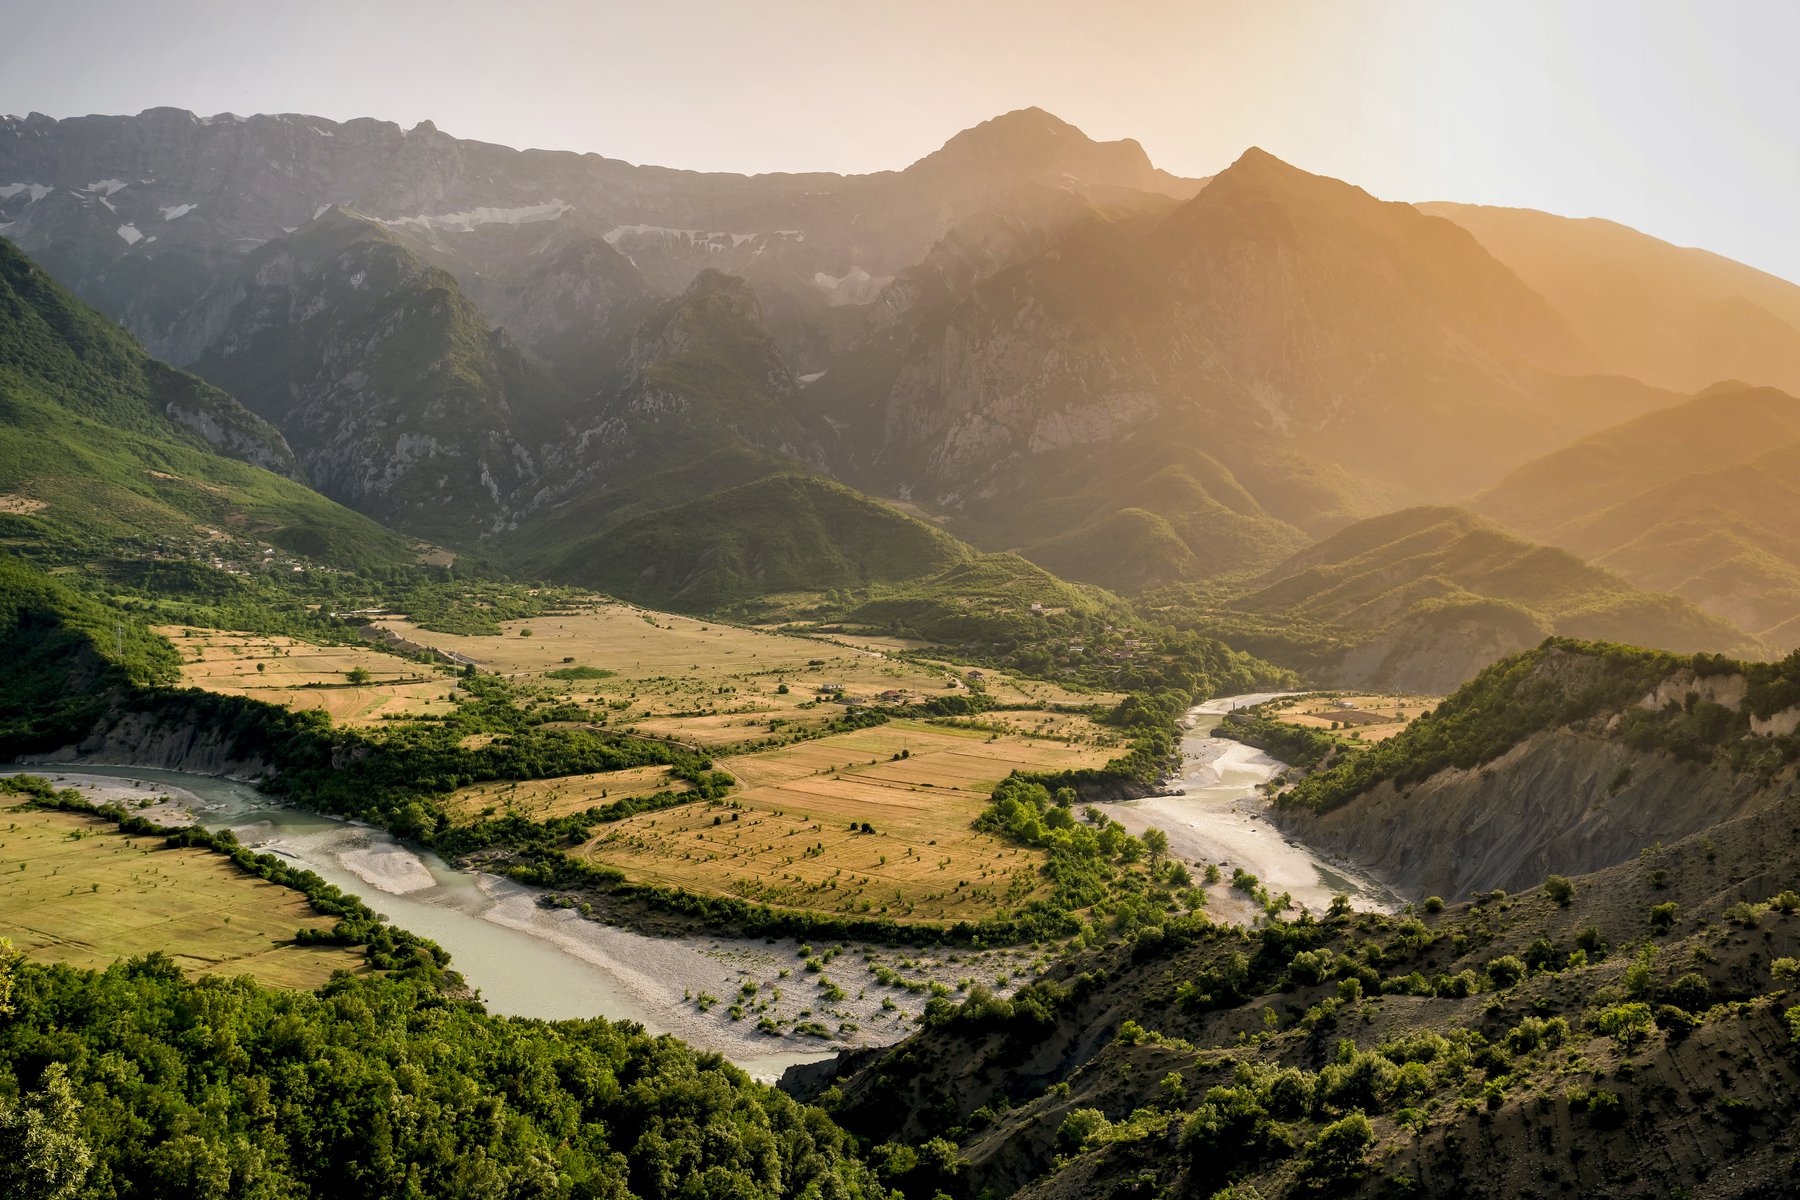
{"points": [[701, 388]]}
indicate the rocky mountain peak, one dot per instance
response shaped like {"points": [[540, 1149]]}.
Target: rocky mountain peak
{"points": [[1031, 144]]}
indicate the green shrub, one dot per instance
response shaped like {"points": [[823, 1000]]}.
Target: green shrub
{"points": [[1675, 1022], [1604, 1109], [1560, 890], [1505, 971], [1662, 916], [1081, 1129], [1339, 1151], [1691, 992]]}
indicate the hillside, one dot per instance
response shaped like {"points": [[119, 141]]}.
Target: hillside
{"points": [[1423, 598], [399, 400], [64, 652], [1026, 401], [1672, 316], [1567, 759], [105, 451], [1560, 1039], [1697, 500], [782, 533], [87, 366]]}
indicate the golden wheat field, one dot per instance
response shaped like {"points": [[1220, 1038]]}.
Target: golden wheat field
{"points": [[692, 680]]}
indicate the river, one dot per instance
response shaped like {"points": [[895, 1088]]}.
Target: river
{"points": [[525, 960], [531, 961], [1221, 817]]}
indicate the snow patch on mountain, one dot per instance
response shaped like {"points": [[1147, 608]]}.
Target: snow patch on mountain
{"points": [[38, 190], [176, 211], [130, 233], [106, 187], [855, 286], [634, 233], [462, 222]]}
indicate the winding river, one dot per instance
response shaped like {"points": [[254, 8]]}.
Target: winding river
{"points": [[530, 961], [1217, 815]]}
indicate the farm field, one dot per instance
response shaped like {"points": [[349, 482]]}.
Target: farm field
{"points": [[795, 835], [547, 799], [279, 670], [75, 890], [1364, 717], [683, 678], [1072, 727]]}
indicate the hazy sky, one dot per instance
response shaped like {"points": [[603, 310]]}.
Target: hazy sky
{"points": [[1681, 119]]}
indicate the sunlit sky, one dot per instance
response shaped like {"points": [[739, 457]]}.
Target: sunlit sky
{"points": [[1681, 119]]}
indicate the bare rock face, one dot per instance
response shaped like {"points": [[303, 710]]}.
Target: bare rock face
{"points": [[1574, 795], [140, 740], [1561, 802]]}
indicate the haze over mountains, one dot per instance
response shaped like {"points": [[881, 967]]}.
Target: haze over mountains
{"points": [[702, 388]]}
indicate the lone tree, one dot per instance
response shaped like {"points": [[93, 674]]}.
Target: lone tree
{"points": [[1627, 1024]]}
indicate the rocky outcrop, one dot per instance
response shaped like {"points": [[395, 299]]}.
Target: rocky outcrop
{"points": [[136, 739], [1782, 724]]}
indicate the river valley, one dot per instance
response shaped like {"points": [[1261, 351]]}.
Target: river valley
{"points": [[532, 961]]}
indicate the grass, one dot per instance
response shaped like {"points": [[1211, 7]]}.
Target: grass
{"points": [[794, 836], [74, 890], [304, 675]]}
